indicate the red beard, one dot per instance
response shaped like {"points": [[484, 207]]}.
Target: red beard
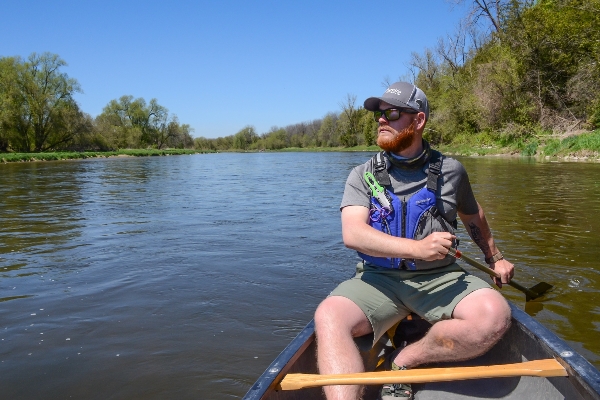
{"points": [[399, 141]]}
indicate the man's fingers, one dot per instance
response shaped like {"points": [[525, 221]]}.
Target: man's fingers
{"points": [[497, 281], [435, 246]]}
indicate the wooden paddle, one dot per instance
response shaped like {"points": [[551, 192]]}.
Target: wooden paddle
{"points": [[543, 368], [532, 293]]}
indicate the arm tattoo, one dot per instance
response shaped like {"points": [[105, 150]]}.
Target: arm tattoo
{"points": [[478, 238]]}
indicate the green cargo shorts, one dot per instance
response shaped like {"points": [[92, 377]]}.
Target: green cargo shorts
{"points": [[386, 295]]}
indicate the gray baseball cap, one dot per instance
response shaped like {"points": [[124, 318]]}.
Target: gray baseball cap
{"points": [[401, 94]]}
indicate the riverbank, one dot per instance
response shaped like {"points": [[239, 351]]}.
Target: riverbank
{"points": [[575, 146], [578, 146], [74, 155]]}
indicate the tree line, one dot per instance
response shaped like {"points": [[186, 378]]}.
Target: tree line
{"points": [[352, 127], [38, 113], [513, 70]]}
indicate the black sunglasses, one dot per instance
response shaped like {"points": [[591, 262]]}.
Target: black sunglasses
{"points": [[391, 114]]}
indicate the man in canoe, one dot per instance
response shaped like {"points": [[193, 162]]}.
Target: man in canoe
{"points": [[399, 211]]}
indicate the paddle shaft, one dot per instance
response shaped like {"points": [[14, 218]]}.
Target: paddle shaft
{"points": [[457, 253], [544, 368]]}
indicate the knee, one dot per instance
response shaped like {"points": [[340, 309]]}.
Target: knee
{"points": [[338, 314], [489, 315], [496, 318], [327, 315], [322, 314]]}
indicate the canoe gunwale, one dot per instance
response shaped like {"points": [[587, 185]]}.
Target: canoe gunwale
{"points": [[586, 378], [280, 366]]}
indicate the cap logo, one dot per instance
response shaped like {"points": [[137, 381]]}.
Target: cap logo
{"points": [[394, 91]]}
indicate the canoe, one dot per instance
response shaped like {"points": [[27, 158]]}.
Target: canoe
{"points": [[526, 340]]}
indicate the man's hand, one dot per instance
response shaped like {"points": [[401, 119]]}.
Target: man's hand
{"points": [[506, 270], [435, 246]]}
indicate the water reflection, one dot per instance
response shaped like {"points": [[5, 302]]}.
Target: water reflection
{"points": [[39, 214], [534, 307], [13, 298]]}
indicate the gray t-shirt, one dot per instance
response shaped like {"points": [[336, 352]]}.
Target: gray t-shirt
{"points": [[454, 188]]}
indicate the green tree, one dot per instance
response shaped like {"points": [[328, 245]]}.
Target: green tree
{"points": [[8, 80], [154, 124], [37, 101], [555, 64], [513, 67], [327, 135], [85, 137], [275, 139], [179, 136], [202, 143], [119, 122], [224, 143], [369, 127], [132, 123], [310, 137], [244, 138], [350, 121]]}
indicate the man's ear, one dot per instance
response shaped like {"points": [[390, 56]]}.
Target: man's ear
{"points": [[420, 121]]}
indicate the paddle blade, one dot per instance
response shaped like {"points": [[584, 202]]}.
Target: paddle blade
{"points": [[539, 289]]}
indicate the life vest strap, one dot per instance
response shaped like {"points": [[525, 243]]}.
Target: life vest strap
{"points": [[435, 169], [380, 170]]}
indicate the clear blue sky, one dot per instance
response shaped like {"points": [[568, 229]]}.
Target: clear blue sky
{"points": [[223, 65]]}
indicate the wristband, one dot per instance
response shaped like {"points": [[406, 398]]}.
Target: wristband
{"points": [[496, 257]]}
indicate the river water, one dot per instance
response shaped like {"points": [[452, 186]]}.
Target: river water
{"points": [[185, 276]]}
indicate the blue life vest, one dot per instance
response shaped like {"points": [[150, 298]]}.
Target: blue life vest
{"points": [[412, 218]]}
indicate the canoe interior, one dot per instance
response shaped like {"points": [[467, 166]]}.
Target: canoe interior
{"points": [[526, 340]]}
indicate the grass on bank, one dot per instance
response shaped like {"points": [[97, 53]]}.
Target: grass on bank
{"points": [[581, 145], [586, 144], [53, 156]]}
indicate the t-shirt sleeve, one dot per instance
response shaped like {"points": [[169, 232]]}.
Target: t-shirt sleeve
{"points": [[356, 192], [465, 201]]}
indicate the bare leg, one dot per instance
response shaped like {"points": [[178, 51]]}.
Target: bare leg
{"points": [[337, 321], [478, 322]]}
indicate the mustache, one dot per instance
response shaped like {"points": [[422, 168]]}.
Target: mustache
{"points": [[404, 131]]}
